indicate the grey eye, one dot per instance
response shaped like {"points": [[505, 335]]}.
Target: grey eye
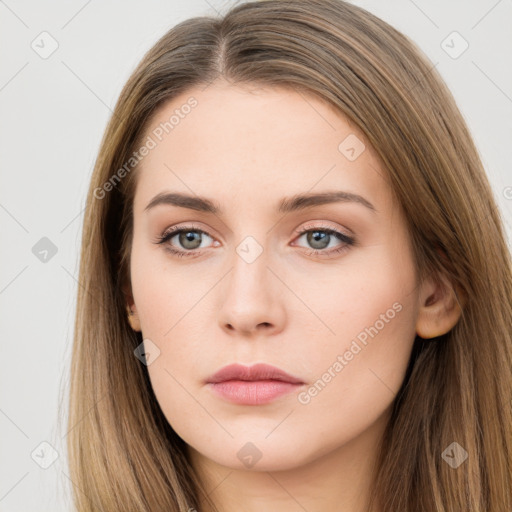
{"points": [[190, 239], [318, 239]]}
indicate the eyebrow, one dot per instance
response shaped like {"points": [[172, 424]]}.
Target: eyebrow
{"points": [[294, 203]]}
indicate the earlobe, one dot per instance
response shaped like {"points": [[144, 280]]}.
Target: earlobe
{"points": [[133, 318], [131, 311], [440, 311]]}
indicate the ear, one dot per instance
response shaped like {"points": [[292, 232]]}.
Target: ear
{"points": [[440, 307], [131, 310]]}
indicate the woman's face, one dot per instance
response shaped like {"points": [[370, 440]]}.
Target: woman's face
{"points": [[245, 286]]}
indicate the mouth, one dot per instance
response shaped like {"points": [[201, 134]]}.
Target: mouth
{"points": [[254, 385]]}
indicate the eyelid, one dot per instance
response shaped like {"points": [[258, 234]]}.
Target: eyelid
{"points": [[297, 231], [309, 227], [189, 227]]}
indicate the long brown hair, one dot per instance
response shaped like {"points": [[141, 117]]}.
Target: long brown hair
{"points": [[123, 454]]}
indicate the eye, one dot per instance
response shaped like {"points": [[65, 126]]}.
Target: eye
{"points": [[189, 238], [320, 237]]}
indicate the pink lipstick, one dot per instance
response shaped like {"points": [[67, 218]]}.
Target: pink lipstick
{"points": [[252, 385]]}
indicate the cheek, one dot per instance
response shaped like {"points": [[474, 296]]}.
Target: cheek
{"points": [[357, 372], [170, 302], [371, 312], [163, 290]]}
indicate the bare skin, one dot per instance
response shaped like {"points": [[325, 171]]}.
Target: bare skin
{"points": [[246, 149]]}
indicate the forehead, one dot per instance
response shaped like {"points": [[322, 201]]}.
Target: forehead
{"points": [[254, 144]]}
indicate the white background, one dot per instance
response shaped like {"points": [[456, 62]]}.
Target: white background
{"points": [[53, 113]]}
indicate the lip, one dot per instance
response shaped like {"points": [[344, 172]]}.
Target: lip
{"points": [[259, 371], [252, 385]]}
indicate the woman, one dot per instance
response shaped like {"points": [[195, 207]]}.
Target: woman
{"points": [[296, 289]]}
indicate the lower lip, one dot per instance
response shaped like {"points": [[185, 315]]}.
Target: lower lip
{"points": [[255, 392]]}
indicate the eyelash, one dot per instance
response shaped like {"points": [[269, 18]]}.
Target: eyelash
{"points": [[172, 232]]}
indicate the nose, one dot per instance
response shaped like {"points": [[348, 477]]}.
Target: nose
{"points": [[252, 302]]}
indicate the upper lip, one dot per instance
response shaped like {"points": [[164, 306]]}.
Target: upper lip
{"points": [[259, 371]]}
